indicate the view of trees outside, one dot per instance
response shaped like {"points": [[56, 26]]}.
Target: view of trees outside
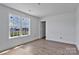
{"points": [[25, 26], [18, 26]]}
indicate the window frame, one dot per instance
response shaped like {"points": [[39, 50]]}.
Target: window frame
{"points": [[20, 27]]}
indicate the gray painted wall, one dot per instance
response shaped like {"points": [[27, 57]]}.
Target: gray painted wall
{"points": [[62, 25], [77, 27], [5, 42]]}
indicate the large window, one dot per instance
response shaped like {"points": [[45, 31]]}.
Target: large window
{"points": [[18, 26]]}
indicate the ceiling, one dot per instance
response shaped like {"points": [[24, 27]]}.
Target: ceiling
{"points": [[43, 9]]}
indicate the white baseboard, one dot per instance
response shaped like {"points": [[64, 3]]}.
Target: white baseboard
{"points": [[20, 43], [63, 41]]}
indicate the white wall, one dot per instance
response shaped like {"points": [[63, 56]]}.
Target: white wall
{"points": [[77, 27], [61, 26], [5, 42]]}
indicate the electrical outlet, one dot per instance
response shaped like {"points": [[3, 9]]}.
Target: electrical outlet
{"points": [[61, 37]]}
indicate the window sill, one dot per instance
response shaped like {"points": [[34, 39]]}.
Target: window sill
{"points": [[18, 36]]}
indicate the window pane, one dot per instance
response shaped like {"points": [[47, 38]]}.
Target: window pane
{"points": [[25, 26], [14, 25]]}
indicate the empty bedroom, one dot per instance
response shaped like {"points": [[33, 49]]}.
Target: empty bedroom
{"points": [[39, 28]]}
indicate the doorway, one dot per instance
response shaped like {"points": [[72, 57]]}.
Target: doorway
{"points": [[43, 29]]}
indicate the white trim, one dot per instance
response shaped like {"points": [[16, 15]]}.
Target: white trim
{"points": [[18, 36], [63, 41], [20, 28]]}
